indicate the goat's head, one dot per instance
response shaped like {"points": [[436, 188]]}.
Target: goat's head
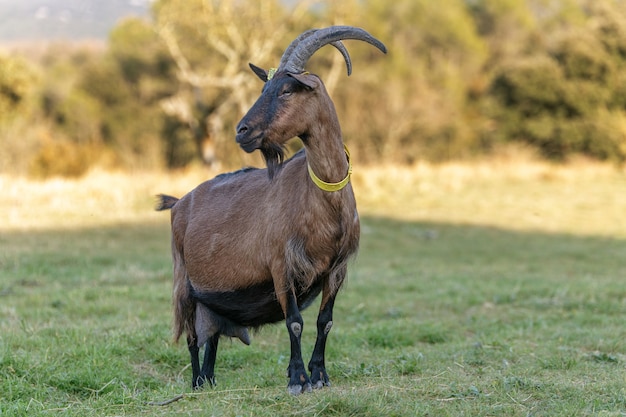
{"points": [[286, 107]]}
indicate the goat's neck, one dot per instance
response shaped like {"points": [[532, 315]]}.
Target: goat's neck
{"points": [[324, 148]]}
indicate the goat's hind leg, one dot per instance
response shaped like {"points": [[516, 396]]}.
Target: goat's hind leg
{"points": [[207, 329], [194, 350], [207, 372]]}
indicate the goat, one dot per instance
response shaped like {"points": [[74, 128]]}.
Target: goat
{"points": [[257, 246]]}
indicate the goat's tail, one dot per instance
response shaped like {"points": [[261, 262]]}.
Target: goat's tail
{"points": [[165, 202]]}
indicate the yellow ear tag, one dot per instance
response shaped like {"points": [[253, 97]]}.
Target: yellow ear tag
{"points": [[270, 73]]}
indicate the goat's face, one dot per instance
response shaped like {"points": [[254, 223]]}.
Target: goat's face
{"points": [[284, 110], [280, 113]]}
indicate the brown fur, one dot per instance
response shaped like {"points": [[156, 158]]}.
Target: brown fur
{"points": [[253, 227], [257, 246], [242, 229]]}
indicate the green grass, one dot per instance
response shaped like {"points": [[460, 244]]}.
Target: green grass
{"points": [[437, 318]]}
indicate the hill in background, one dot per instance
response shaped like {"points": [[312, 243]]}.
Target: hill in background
{"points": [[35, 20]]}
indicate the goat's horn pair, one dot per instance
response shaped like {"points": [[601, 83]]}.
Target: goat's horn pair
{"points": [[304, 46]]}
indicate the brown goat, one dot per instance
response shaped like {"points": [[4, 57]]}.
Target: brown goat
{"points": [[257, 246]]}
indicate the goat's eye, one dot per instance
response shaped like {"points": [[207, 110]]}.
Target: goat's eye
{"points": [[286, 92]]}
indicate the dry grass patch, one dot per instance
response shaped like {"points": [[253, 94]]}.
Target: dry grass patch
{"points": [[99, 198], [582, 198]]}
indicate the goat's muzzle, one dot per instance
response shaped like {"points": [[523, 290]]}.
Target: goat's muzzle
{"points": [[249, 140]]}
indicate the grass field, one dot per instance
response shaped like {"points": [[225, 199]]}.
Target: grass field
{"points": [[488, 289]]}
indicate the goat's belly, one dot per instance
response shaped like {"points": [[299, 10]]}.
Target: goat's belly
{"points": [[253, 306], [219, 264]]}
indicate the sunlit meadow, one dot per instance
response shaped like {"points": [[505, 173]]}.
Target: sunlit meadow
{"points": [[494, 287]]}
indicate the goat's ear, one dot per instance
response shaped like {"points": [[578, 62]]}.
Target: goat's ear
{"points": [[307, 79], [260, 72]]}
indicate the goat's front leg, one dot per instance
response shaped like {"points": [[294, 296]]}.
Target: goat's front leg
{"points": [[298, 378], [317, 365]]}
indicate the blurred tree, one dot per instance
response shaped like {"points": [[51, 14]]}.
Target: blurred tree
{"points": [[461, 77], [564, 95], [69, 140], [211, 49], [420, 91], [129, 83], [18, 84]]}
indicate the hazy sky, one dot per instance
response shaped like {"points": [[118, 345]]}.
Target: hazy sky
{"points": [[64, 19]]}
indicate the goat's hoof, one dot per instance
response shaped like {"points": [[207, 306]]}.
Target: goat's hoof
{"points": [[199, 382], [319, 378], [298, 389], [321, 384]]}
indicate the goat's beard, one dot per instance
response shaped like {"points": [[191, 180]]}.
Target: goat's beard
{"points": [[274, 155]]}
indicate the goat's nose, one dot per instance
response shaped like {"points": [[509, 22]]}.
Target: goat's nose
{"points": [[241, 128]]}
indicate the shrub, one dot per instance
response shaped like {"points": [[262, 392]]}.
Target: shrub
{"points": [[64, 158]]}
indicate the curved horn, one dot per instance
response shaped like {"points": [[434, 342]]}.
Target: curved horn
{"points": [[337, 44], [304, 46]]}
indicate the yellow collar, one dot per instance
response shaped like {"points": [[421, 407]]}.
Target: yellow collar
{"points": [[332, 186]]}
